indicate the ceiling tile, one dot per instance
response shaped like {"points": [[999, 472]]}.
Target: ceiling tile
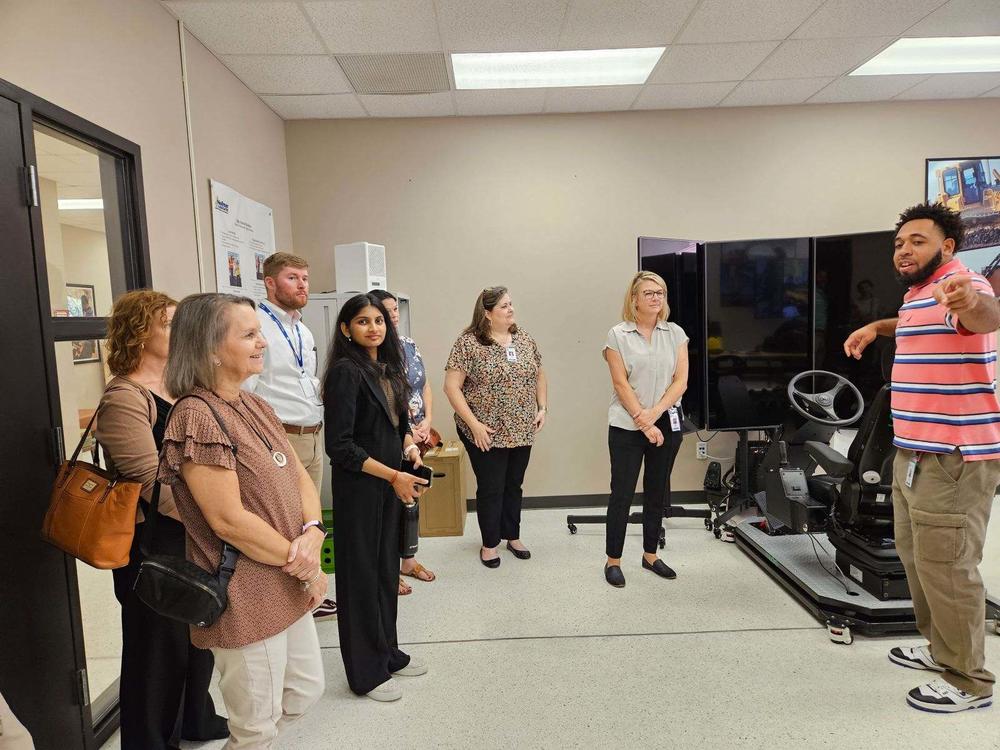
{"points": [[591, 98], [289, 74], [960, 18], [746, 20], [376, 25], [761, 93], [599, 24], [848, 18], [248, 27], [953, 86], [694, 63], [865, 88], [500, 102], [682, 95], [315, 107], [812, 58], [500, 25], [409, 105]]}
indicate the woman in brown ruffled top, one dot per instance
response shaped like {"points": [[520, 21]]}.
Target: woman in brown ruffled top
{"points": [[257, 498]]}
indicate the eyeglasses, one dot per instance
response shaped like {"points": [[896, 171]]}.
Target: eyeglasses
{"points": [[651, 294]]}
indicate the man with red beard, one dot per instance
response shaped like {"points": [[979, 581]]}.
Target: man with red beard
{"points": [[289, 382], [946, 420]]}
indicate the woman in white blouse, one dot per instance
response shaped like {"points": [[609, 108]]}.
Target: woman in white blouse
{"points": [[648, 360]]}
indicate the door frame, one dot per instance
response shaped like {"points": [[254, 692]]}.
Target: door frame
{"points": [[137, 273]]}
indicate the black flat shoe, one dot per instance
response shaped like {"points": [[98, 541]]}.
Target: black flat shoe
{"points": [[494, 563], [660, 568], [216, 728], [520, 554], [613, 575]]}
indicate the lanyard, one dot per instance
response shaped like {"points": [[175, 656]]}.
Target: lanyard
{"points": [[299, 359]]}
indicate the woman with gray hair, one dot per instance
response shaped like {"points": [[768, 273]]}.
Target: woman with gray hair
{"points": [[240, 482]]}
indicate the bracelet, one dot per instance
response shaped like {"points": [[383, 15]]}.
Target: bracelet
{"points": [[311, 581], [410, 447]]}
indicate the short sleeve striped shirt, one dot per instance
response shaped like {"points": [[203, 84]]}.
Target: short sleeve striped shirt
{"points": [[944, 376]]}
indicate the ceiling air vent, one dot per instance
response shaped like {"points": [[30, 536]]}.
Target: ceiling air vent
{"points": [[396, 74]]}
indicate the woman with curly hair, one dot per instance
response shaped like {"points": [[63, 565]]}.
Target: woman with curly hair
{"points": [[160, 667]]}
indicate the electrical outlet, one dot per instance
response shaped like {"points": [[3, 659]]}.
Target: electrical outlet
{"points": [[702, 450]]}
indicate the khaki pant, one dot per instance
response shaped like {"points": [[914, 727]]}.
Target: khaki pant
{"points": [[940, 531], [312, 454], [269, 684], [13, 735]]}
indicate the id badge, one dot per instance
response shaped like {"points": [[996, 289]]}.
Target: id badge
{"points": [[675, 419], [911, 469], [511, 354], [308, 388]]}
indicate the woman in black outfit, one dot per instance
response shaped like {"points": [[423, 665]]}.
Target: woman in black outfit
{"points": [[367, 437]]}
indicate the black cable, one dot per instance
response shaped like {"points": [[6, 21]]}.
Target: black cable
{"points": [[827, 570], [706, 440]]}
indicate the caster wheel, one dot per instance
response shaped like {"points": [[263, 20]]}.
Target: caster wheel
{"points": [[718, 534], [996, 626], [708, 524], [572, 528], [840, 634]]}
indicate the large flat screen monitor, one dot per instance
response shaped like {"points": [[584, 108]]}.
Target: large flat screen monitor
{"points": [[681, 264], [759, 313]]}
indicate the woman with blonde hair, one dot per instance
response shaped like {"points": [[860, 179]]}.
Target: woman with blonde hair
{"points": [[159, 664], [648, 361], [496, 385]]}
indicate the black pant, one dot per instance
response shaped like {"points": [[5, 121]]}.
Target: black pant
{"points": [[366, 554], [628, 449], [499, 475], [163, 693]]}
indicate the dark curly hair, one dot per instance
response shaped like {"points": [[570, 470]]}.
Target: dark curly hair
{"points": [[948, 221], [129, 327]]}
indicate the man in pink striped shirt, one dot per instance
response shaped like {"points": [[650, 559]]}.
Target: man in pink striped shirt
{"points": [[946, 421]]}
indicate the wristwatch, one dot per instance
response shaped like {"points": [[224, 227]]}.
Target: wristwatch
{"points": [[409, 448], [318, 524]]}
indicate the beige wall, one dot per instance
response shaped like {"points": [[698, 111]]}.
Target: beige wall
{"points": [[552, 206], [117, 63]]}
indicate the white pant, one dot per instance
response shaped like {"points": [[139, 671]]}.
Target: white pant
{"points": [[269, 684]]}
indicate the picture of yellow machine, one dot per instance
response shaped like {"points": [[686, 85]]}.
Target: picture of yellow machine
{"points": [[964, 185]]}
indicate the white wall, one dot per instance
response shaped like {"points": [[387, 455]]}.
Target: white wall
{"points": [[552, 205]]}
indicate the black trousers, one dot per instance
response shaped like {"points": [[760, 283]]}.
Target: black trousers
{"points": [[629, 448], [366, 554], [163, 693], [499, 476]]}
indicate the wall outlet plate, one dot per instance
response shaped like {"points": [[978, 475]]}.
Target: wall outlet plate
{"points": [[702, 450]]}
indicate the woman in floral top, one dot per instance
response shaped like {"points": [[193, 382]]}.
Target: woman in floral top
{"points": [[496, 385], [420, 418]]}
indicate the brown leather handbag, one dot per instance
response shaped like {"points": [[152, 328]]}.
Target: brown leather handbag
{"points": [[433, 441], [92, 512]]}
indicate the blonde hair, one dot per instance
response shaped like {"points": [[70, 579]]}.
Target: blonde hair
{"points": [[629, 307]]}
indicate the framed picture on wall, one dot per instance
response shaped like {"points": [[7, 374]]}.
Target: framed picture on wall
{"points": [[86, 351], [80, 300], [971, 186]]}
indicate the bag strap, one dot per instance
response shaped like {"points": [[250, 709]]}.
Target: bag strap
{"points": [[83, 439], [229, 553]]}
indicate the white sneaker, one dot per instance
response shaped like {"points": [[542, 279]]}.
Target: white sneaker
{"points": [[413, 669], [940, 697], [914, 658], [387, 692]]}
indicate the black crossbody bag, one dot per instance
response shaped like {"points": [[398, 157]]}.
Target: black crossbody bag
{"points": [[174, 586]]}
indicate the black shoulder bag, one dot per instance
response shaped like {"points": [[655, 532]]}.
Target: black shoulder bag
{"points": [[174, 586]]}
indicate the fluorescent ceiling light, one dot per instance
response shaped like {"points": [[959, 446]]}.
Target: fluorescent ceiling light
{"points": [[526, 70], [80, 204], [946, 54]]}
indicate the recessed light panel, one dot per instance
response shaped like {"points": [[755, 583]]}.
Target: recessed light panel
{"points": [[524, 70], [946, 54]]}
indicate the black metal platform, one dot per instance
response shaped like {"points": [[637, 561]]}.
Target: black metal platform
{"points": [[672, 511]]}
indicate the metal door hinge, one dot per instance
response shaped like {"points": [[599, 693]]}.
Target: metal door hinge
{"points": [[82, 687], [58, 448], [31, 175]]}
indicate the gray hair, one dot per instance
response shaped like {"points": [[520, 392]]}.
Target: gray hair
{"points": [[200, 324]]}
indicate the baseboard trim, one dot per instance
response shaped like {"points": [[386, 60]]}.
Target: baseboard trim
{"points": [[680, 497]]}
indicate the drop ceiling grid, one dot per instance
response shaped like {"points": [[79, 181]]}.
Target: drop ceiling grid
{"points": [[755, 52]]}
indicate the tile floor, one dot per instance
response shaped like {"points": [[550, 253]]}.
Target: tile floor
{"points": [[544, 654]]}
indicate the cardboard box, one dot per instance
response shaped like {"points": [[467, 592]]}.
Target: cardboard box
{"points": [[443, 506]]}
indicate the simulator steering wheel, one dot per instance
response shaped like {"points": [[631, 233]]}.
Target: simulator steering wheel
{"points": [[824, 401]]}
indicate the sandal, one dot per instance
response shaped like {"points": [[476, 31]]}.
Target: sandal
{"points": [[417, 570], [404, 588]]}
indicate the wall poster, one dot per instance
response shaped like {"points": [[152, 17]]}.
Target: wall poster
{"points": [[243, 236]]}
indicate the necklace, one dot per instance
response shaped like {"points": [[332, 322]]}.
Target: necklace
{"points": [[278, 457]]}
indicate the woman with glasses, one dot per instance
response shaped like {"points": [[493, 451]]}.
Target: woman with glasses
{"points": [[648, 360], [495, 383]]}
